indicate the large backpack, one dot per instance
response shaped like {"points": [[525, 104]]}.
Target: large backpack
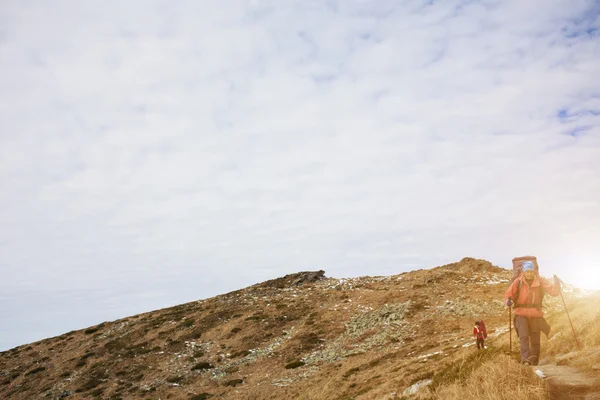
{"points": [[518, 268], [482, 328]]}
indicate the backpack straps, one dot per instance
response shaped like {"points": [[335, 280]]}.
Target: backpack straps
{"points": [[517, 294], [542, 293]]}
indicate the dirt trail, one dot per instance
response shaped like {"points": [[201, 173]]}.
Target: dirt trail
{"points": [[567, 383]]}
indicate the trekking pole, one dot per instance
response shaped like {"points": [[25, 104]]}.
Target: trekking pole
{"points": [[567, 311], [509, 330]]}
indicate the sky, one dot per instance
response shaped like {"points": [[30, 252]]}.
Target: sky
{"points": [[158, 152]]}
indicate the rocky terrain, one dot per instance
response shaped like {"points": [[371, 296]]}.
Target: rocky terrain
{"points": [[303, 336]]}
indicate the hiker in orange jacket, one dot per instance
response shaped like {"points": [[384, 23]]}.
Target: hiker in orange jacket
{"points": [[526, 293]]}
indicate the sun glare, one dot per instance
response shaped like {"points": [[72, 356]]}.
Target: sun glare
{"points": [[584, 277]]}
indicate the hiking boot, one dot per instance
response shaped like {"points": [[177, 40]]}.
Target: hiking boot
{"points": [[533, 360], [525, 362]]}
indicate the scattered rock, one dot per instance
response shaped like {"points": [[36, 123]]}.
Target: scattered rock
{"points": [[201, 396], [234, 382], [414, 389], [369, 329], [65, 394], [466, 309], [540, 374], [202, 366], [294, 364]]}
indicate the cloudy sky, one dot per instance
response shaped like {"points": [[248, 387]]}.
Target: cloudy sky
{"points": [[158, 152]]}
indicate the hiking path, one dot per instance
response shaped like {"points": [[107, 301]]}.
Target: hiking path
{"points": [[567, 383]]}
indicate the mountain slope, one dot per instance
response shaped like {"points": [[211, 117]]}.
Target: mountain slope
{"points": [[301, 336]]}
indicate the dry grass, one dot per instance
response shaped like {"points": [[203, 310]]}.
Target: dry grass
{"points": [[585, 315], [500, 378]]}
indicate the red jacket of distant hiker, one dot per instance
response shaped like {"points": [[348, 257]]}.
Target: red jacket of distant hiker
{"points": [[530, 297], [478, 332]]}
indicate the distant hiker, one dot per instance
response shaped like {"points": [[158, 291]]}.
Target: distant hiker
{"points": [[480, 334], [526, 293], [482, 327]]}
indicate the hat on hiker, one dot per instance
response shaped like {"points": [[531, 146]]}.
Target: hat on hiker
{"points": [[527, 266]]}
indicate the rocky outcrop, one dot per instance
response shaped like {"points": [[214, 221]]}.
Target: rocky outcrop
{"points": [[469, 264], [297, 279]]}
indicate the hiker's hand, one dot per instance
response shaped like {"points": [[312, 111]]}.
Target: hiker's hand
{"points": [[509, 302]]}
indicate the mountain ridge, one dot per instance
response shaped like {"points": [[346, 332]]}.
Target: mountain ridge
{"points": [[301, 336]]}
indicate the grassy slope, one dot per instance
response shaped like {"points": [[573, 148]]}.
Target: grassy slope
{"points": [[499, 376], [364, 338]]}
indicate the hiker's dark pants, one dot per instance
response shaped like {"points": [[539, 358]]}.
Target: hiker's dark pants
{"points": [[480, 343], [528, 330]]}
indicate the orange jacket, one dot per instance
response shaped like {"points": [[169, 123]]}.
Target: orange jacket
{"points": [[530, 295]]}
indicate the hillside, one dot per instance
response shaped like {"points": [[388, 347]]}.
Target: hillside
{"points": [[305, 336]]}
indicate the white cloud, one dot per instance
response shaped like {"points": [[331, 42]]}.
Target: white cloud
{"points": [[165, 143]]}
